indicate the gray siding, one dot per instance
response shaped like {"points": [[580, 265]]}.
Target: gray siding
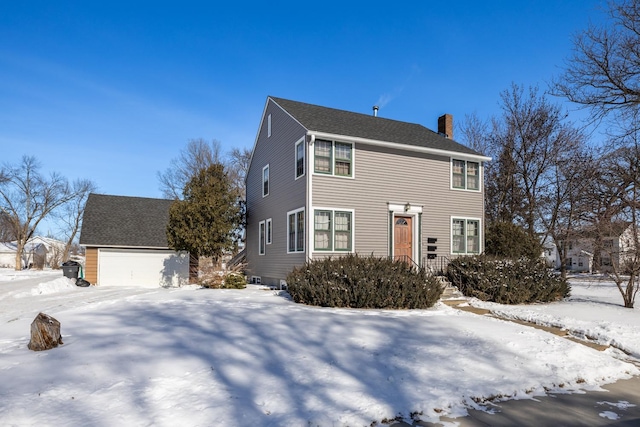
{"points": [[384, 175], [285, 194]]}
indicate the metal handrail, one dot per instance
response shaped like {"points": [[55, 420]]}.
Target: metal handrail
{"points": [[407, 259], [437, 266]]}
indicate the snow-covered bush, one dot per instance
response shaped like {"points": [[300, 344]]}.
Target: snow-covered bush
{"points": [[363, 282], [507, 281]]}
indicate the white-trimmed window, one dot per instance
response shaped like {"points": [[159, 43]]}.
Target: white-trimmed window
{"points": [[262, 238], [265, 181], [269, 231], [300, 158], [465, 175], [333, 157], [465, 236], [333, 230], [295, 231], [269, 126]]}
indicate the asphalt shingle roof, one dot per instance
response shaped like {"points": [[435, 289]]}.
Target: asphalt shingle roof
{"points": [[347, 123], [125, 221]]}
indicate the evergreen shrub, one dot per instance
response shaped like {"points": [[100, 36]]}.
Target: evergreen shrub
{"points": [[507, 281], [363, 282], [505, 239], [235, 281]]}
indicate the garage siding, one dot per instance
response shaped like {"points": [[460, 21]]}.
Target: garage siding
{"points": [[91, 265]]}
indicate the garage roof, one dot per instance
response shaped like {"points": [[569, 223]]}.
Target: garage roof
{"points": [[122, 221]]}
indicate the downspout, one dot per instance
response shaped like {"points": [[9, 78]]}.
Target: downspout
{"points": [[309, 201]]}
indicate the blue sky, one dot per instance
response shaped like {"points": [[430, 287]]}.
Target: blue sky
{"points": [[112, 91]]}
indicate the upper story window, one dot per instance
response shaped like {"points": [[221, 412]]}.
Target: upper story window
{"points": [[465, 175], [269, 126], [265, 181], [465, 236], [333, 158], [300, 159]]}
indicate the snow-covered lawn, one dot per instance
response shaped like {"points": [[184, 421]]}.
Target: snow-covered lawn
{"points": [[593, 311], [200, 357]]}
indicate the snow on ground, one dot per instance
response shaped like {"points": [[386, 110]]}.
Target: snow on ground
{"points": [[252, 357], [593, 311]]}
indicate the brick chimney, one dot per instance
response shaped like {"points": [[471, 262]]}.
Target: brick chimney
{"points": [[445, 125]]}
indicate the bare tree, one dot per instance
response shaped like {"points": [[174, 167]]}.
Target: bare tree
{"points": [[528, 141], [475, 133], [27, 198], [603, 74], [197, 156], [618, 234], [565, 199], [70, 214], [500, 191], [237, 167]]}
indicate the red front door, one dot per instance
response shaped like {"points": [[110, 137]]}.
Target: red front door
{"points": [[402, 238]]}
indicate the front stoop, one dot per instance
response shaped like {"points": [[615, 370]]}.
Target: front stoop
{"points": [[450, 292]]}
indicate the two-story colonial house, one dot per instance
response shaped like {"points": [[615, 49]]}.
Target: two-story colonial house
{"points": [[615, 244], [327, 182]]}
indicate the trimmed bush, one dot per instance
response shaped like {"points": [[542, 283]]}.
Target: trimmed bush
{"points": [[363, 282], [507, 281], [235, 281]]}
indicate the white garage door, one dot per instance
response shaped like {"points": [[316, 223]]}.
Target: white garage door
{"points": [[140, 267]]}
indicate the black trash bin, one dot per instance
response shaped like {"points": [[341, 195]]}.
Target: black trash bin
{"points": [[70, 269]]}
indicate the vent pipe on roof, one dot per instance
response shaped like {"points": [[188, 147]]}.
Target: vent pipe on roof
{"points": [[375, 111]]}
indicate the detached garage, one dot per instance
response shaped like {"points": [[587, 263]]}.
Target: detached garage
{"points": [[126, 244]]}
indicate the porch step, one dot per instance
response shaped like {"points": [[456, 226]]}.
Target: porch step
{"points": [[450, 292]]}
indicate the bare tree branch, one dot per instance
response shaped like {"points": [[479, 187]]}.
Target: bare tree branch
{"points": [[603, 73], [26, 198]]}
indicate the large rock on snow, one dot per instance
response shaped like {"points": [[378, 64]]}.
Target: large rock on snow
{"points": [[45, 333]]}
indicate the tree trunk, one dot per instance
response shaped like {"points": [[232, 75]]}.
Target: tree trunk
{"points": [[45, 333], [194, 266], [19, 251]]}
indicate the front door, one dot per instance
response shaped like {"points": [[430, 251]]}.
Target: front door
{"points": [[402, 238]]}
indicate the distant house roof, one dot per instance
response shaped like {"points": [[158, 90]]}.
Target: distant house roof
{"points": [[339, 122], [122, 221], [32, 245], [612, 229]]}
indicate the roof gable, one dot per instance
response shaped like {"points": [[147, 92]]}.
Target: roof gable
{"points": [[125, 221], [340, 122]]}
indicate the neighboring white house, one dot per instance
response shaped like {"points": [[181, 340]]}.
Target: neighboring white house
{"points": [[550, 253], [617, 246], [38, 252]]}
